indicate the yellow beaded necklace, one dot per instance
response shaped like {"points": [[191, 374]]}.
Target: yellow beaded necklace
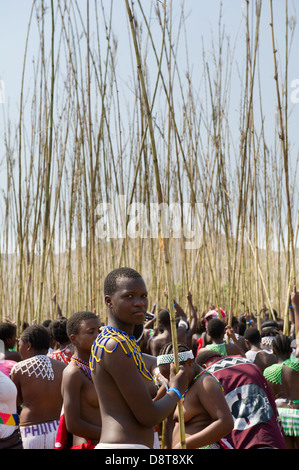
{"points": [[127, 342]]}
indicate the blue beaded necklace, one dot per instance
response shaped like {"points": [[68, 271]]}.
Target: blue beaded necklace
{"points": [[127, 342]]}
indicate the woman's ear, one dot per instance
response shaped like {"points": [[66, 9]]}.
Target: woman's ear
{"points": [[108, 301], [73, 338]]}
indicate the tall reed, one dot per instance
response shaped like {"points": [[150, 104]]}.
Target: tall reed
{"points": [[87, 132]]}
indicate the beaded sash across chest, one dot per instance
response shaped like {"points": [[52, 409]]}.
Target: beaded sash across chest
{"points": [[128, 344], [40, 366]]}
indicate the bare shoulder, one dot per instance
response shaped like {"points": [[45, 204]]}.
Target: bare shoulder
{"points": [[58, 366], [70, 370], [268, 358], [108, 345], [208, 381], [72, 380], [106, 352]]}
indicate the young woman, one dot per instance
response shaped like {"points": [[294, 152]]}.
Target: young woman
{"points": [[207, 416], [283, 379], [124, 385], [38, 381], [81, 414]]}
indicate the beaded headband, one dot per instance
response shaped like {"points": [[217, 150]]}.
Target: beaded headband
{"points": [[169, 358], [267, 340]]}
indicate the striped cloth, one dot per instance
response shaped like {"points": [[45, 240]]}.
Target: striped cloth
{"points": [[9, 419], [290, 421]]}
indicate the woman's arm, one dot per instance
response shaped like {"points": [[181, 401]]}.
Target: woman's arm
{"points": [[71, 392], [132, 385], [213, 400]]}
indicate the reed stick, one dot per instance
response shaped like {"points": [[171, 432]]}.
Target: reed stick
{"points": [[164, 242]]}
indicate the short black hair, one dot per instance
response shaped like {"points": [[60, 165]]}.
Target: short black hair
{"points": [[242, 328], [252, 334], [204, 355], [269, 332], [168, 348], [58, 330], [269, 315], [111, 278], [38, 336], [75, 320], [270, 324], [7, 330], [215, 328], [164, 316]]}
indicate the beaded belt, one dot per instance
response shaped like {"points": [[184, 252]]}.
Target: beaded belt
{"points": [[9, 419]]}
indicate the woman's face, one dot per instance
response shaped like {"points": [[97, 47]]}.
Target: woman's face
{"points": [[128, 305], [188, 365], [87, 334], [24, 349]]}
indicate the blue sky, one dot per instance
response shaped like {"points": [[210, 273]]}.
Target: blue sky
{"points": [[202, 19], [201, 25]]}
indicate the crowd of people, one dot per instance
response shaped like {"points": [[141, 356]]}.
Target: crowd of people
{"points": [[76, 383]]}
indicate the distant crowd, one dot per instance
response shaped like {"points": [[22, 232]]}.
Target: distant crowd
{"points": [[74, 382]]}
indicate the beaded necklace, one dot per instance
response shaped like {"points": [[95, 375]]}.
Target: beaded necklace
{"points": [[193, 380], [83, 365], [127, 342], [40, 366], [221, 348], [198, 375], [273, 373]]}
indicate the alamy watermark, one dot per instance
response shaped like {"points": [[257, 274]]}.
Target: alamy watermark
{"points": [[295, 92], [2, 92], [137, 220]]}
